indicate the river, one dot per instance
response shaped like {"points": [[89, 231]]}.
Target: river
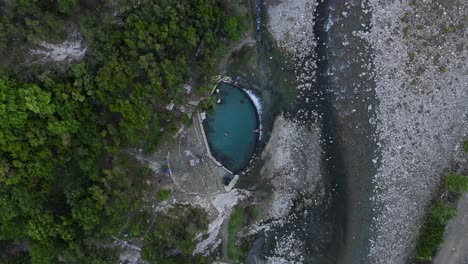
{"points": [[343, 95]]}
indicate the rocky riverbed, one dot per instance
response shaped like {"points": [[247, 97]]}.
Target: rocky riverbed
{"points": [[292, 164], [408, 98], [422, 85]]}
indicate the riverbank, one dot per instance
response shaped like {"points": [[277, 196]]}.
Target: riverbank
{"points": [[421, 79], [399, 108], [454, 248]]}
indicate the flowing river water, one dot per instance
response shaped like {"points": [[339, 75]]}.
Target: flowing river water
{"points": [[353, 100], [343, 96]]}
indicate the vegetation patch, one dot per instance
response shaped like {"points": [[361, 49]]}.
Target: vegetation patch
{"points": [[240, 217], [66, 185], [171, 239], [235, 26], [163, 194], [236, 222], [433, 232], [465, 146], [456, 183], [437, 217], [138, 225]]}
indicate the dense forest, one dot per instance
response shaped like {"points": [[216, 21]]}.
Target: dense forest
{"points": [[67, 186]]}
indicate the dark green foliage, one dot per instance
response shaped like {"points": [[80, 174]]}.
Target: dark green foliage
{"points": [[66, 186], [433, 232], [171, 240], [234, 27], [163, 194], [456, 183], [68, 7], [465, 145], [204, 90], [405, 17], [236, 222], [186, 120], [231, 26], [437, 217], [240, 217], [445, 30], [151, 62], [208, 103], [138, 224], [33, 21]]}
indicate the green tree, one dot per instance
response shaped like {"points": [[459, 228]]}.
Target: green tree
{"points": [[66, 185], [231, 26], [68, 7], [172, 237]]}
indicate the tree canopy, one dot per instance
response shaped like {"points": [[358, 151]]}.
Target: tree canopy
{"points": [[67, 184]]}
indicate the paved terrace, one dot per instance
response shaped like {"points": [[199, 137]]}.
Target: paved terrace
{"points": [[192, 168]]}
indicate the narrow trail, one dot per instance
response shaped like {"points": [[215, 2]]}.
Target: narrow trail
{"points": [[248, 40]]}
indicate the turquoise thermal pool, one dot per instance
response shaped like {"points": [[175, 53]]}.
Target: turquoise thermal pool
{"points": [[232, 127]]}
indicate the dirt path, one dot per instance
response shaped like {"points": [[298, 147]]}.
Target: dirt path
{"points": [[248, 40], [454, 250]]}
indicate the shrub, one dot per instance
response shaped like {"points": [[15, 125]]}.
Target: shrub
{"points": [[234, 227], [465, 145], [445, 30], [68, 7], [186, 120], [208, 103], [231, 27], [204, 90], [172, 238], [138, 224], [405, 17], [234, 27], [163, 194], [456, 183], [433, 232]]}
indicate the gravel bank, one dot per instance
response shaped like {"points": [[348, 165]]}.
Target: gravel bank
{"points": [[291, 24], [292, 160], [422, 85], [293, 156]]}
